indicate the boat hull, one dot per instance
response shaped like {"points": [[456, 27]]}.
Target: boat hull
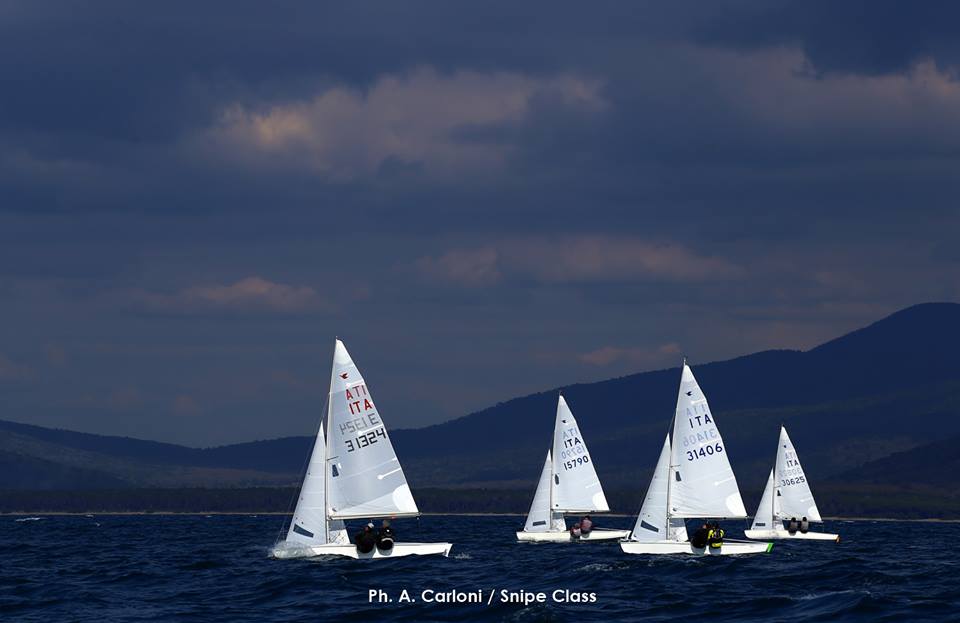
{"points": [[799, 536], [729, 548], [350, 551], [597, 534]]}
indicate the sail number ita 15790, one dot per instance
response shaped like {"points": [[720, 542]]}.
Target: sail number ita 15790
{"points": [[580, 460]]}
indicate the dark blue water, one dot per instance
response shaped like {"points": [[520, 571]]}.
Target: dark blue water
{"points": [[197, 568]]}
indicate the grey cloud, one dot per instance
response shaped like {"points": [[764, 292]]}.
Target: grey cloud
{"points": [[638, 356], [416, 117], [248, 294], [551, 192], [12, 371], [575, 259]]}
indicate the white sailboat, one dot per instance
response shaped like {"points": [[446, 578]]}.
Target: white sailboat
{"points": [[787, 497], [353, 473], [568, 484], [692, 479]]}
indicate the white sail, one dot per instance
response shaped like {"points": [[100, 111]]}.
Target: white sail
{"points": [[795, 498], [766, 518], [703, 484], [309, 525], [576, 487], [652, 521], [538, 519], [365, 478]]}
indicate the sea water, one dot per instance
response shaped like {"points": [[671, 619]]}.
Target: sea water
{"points": [[217, 568]]}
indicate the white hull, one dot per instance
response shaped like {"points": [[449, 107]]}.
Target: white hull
{"points": [[350, 551], [729, 548], [597, 534], [783, 534]]}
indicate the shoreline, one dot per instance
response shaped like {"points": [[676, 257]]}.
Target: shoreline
{"points": [[279, 514]]}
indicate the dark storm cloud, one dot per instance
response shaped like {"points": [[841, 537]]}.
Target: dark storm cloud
{"points": [[195, 198], [863, 36]]}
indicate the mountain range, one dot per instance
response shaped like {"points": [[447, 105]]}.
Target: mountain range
{"points": [[873, 414]]}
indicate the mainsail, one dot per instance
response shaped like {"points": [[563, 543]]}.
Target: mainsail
{"points": [[365, 479], [541, 518], [576, 487], [795, 498], [703, 484], [652, 523]]}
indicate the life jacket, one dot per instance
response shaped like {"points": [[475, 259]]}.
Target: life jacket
{"points": [[385, 539], [699, 538], [366, 541], [715, 537]]}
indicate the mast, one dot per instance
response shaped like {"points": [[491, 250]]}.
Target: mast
{"points": [[673, 422], [670, 469], [550, 499], [774, 523], [552, 475], [326, 443]]}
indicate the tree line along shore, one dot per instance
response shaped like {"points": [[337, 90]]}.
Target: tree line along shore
{"points": [[858, 502]]}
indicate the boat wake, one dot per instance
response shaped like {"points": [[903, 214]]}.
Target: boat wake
{"points": [[287, 549], [597, 566]]}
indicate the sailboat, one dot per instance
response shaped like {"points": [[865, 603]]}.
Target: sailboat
{"points": [[787, 496], [692, 479], [353, 473], [568, 484]]}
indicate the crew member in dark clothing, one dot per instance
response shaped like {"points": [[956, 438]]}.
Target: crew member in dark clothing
{"points": [[575, 531], [793, 525], [586, 525], [366, 539], [385, 536], [804, 525], [715, 536], [699, 538]]}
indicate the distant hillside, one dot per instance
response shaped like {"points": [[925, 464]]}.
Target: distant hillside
{"points": [[932, 465], [854, 399], [877, 394], [38, 458]]}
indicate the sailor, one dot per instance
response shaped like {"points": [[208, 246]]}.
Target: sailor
{"points": [[385, 536], [804, 525], [715, 536], [586, 525], [575, 531], [699, 538], [792, 525], [366, 539]]}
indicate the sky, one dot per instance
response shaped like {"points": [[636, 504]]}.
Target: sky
{"points": [[482, 200]]}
